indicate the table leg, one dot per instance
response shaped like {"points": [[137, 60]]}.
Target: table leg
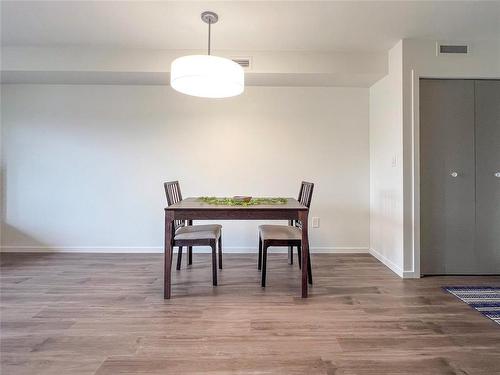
{"points": [[303, 217], [168, 249]]}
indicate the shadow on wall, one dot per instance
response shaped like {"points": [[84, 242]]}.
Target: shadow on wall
{"points": [[10, 258], [386, 220], [21, 240]]}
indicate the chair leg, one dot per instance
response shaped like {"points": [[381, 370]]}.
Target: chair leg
{"points": [[190, 248], [214, 263], [264, 263], [309, 268], [179, 258], [299, 255], [259, 264], [220, 252]]}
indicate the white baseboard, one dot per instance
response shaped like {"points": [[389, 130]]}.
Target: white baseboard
{"points": [[158, 249], [387, 262], [79, 249]]}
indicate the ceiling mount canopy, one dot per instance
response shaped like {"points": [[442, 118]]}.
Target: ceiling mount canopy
{"points": [[209, 17], [207, 76]]}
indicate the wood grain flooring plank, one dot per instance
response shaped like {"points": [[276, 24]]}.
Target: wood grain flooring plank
{"points": [[105, 314]]}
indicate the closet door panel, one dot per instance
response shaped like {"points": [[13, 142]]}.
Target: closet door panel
{"points": [[447, 200], [487, 183]]}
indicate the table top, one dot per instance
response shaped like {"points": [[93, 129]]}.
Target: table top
{"points": [[194, 203]]}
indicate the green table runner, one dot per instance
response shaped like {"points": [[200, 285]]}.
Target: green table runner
{"points": [[236, 202]]}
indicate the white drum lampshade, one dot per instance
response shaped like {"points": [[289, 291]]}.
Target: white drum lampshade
{"points": [[207, 76]]}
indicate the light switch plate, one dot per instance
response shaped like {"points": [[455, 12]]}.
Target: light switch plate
{"points": [[315, 222], [394, 161]]}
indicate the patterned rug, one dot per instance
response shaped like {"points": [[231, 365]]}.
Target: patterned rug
{"points": [[485, 299]]}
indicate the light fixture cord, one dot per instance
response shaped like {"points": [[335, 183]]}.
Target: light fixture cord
{"points": [[209, 27]]}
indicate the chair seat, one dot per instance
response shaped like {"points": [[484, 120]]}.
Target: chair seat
{"points": [[279, 232], [198, 232]]}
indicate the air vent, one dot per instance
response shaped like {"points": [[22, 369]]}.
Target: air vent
{"points": [[453, 49], [244, 62]]}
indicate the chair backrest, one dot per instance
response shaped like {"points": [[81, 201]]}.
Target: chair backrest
{"points": [[305, 196], [305, 193], [173, 193]]}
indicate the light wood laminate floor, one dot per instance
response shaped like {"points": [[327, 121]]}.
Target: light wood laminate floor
{"points": [[105, 314]]}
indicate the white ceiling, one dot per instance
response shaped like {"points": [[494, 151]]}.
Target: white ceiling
{"points": [[263, 25]]}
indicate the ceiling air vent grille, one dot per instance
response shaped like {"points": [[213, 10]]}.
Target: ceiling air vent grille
{"points": [[454, 49], [244, 62]]}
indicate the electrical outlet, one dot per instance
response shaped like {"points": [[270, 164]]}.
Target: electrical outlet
{"points": [[315, 222]]}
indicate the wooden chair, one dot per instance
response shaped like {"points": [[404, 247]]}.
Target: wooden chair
{"points": [[189, 235], [282, 235]]}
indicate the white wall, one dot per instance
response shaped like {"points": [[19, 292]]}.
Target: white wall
{"points": [[84, 165], [386, 170]]}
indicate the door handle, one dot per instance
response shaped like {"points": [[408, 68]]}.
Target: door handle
{"points": [[453, 174], [496, 174]]}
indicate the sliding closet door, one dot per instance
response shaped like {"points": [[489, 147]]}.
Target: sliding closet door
{"points": [[447, 177], [488, 175]]}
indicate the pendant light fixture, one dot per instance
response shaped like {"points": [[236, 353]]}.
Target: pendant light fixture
{"points": [[207, 76]]}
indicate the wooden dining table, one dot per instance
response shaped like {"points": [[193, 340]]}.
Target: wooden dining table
{"points": [[196, 209]]}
